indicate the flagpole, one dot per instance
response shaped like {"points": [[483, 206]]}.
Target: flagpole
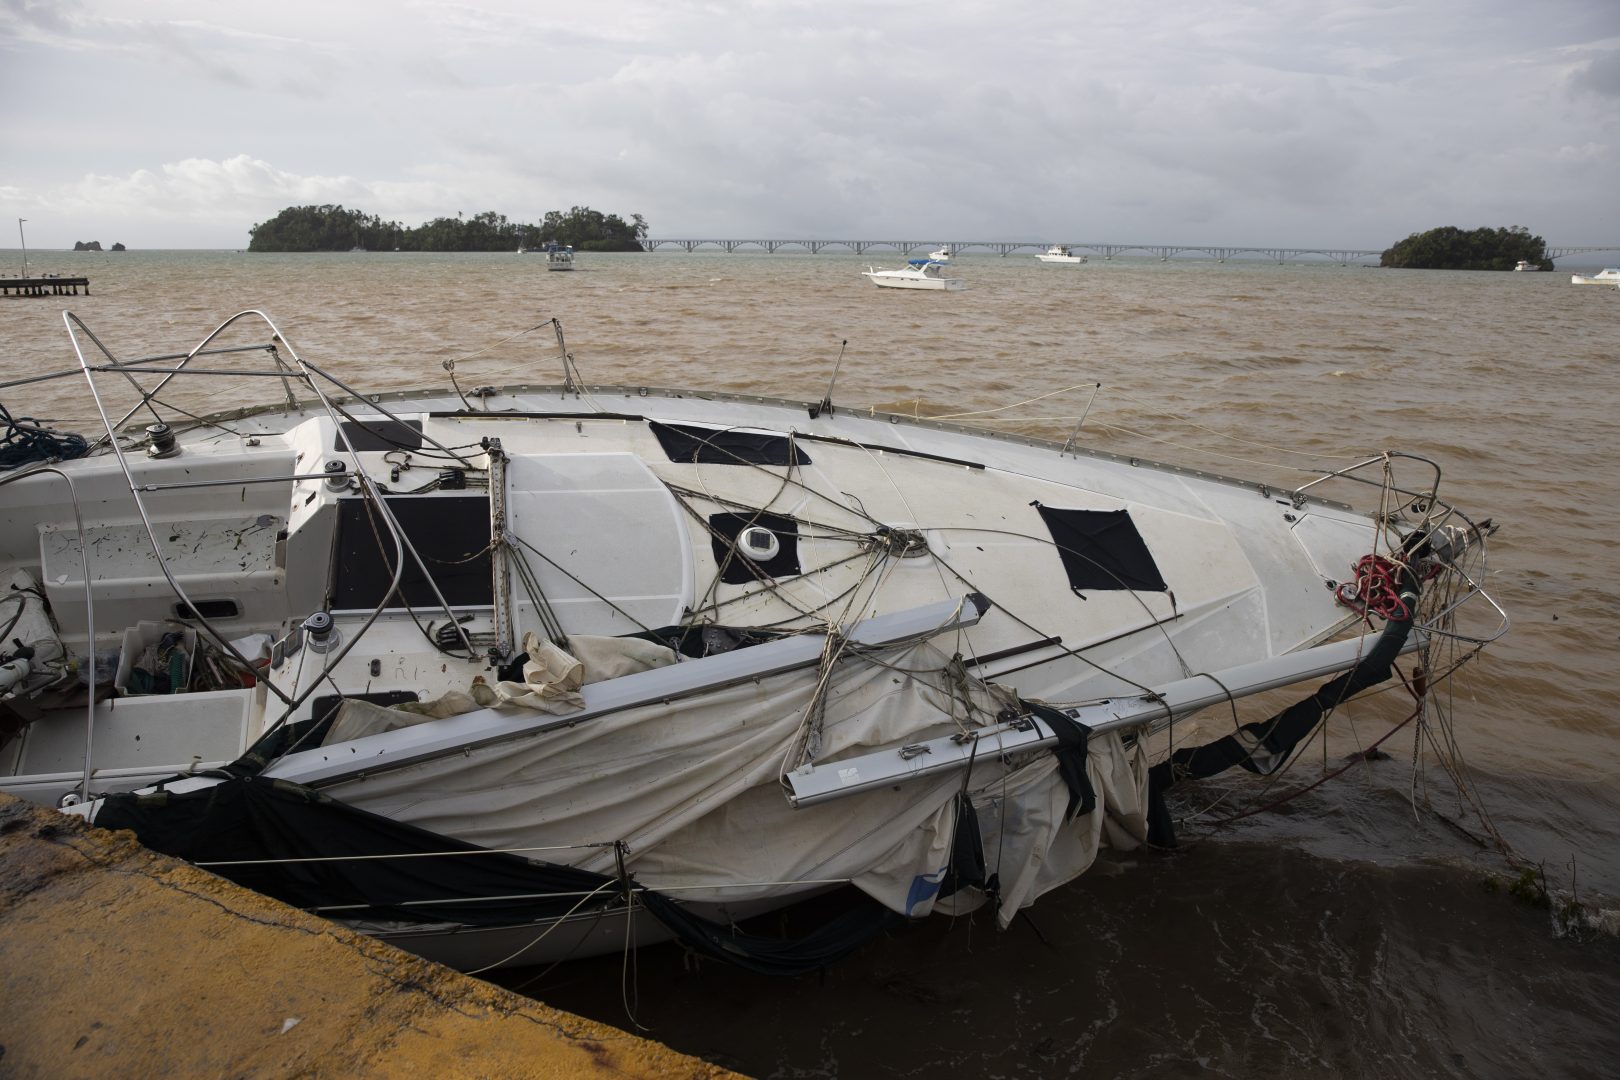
{"points": [[24, 240]]}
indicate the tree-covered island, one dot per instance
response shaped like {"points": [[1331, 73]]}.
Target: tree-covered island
{"points": [[332, 228], [1451, 248]]}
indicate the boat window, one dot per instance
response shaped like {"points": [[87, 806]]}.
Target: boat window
{"points": [[450, 533], [736, 568], [380, 435], [207, 609], [1101, 549], [710, 446]]}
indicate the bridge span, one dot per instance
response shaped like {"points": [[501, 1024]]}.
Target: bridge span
{"points": [[1008, 247], [1163, 252]]}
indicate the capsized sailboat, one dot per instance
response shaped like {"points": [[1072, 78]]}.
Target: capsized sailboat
{"points": [[507, 675]]}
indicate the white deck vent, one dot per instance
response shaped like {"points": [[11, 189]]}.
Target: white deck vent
{"points": [[758, 543]]}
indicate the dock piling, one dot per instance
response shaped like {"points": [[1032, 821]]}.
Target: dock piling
{"points": [[48, 285]]}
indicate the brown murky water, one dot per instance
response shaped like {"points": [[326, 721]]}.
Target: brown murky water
{"points": [[1345, 934]]}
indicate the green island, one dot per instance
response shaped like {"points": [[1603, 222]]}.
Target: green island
{"points": [[333, 228], [1451, 248]]}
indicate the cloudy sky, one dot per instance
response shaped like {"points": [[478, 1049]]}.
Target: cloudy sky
{"points": [[181, 123]]}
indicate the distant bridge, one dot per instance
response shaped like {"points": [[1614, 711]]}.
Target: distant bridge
{"points": [[1163, 252], [1560, 252]]}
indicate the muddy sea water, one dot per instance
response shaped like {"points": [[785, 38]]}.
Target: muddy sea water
{"points": [[1358, 930]]}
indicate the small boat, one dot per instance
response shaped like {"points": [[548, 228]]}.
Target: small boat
{"points": [[559, 256], [1526, 266], [547, 670], [917, 274], [1609, 276], [1060, 253], [942, 255]]}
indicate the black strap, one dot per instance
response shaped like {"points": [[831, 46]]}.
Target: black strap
{"points": [[1071, 754]]}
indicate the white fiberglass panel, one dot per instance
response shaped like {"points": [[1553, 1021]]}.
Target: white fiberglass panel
{"points": [[1333, 544], [604, 539]]}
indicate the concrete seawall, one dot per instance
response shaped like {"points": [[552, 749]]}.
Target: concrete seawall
{"points": [[117, 962]]}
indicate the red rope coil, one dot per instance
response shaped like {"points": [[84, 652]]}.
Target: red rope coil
{"points": [[1373, 589]]}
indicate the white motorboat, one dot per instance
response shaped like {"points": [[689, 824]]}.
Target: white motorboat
{"points": [[941, 254], [1609, 276], [559, 256], [1526, 266], [1060, 253], [506, 677], [917, 274]]}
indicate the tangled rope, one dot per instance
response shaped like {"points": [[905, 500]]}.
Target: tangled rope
{"points": [[26, 440], [1373, 589]]}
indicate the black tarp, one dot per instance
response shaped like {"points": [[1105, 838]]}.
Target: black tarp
{"points": [[255, 818], [450, 533], [1101, 549], [737, 568], [379, 435], [708, 446]]}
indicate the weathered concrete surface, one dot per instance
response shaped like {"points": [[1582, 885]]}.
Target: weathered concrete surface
{"points": [[116, 962]]}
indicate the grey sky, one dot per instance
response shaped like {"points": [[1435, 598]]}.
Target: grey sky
{"points": [[181, 123]]}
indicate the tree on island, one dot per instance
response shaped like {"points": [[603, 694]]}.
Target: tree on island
{"points": [[333, 228], [1451, 248]]}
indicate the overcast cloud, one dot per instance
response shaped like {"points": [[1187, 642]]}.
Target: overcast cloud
{"points": [[181, 123]]}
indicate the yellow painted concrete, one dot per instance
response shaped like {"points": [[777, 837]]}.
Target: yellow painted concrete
{"points": [[116, 962]]}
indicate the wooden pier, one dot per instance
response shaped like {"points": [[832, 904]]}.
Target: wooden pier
{"points": [[44, 286]]}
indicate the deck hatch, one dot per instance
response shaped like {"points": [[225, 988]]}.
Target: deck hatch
{"points": [[1101, 549], [379, 435], [716, 446], [450, 532], [736, 568]]}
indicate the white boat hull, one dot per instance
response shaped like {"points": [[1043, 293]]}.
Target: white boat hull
{"points": [[884, 280]]}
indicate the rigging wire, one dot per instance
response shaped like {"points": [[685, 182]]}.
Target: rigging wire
{"points": [[683, 495], [1437, 617], [537, 597]]}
